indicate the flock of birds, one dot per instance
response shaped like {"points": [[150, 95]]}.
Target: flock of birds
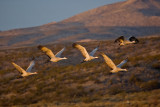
{"points": [[88, 56]]}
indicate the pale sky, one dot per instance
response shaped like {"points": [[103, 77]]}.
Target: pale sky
{"points": [[29, 13]]}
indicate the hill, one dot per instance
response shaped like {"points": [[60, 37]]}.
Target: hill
{"points": [[128, 18], [71, 83], [128, 13]]}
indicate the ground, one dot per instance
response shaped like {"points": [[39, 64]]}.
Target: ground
{"points": [[90, 84]]}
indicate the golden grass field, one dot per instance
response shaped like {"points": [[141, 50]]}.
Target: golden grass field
{"points": [[69, 83]]}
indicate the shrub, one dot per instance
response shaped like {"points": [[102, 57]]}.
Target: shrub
{"points": [[150, 85], [134, 79], [97, 81], [156, 66], [115, 89], [88, 99]]}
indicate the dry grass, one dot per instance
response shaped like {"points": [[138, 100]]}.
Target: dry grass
{"points": [[70, 83]]}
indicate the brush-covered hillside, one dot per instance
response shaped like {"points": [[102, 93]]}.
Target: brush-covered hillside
{"points": [[70, 83], [128, 18]]}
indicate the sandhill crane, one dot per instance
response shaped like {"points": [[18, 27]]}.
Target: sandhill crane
{"points": [[28, 70], [132, 40], [110, 63], [49, 53], [84, 52]]}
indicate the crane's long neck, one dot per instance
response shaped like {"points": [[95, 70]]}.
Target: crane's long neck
{"points": [[33, 73], [129, 42], [92, 57], [118, 69], [28, 73], [64, 58], [57, 59], [89, 58]]}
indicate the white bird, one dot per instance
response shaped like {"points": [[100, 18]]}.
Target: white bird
{"points": [[122, 41], [84, 52], [28, 70], [110, 63], [49, 53]]}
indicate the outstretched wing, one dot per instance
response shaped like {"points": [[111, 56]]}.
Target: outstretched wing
{"points": [[108, 61], [120, 39], [82, 49], [122, 63], [134, 39], [47, 51], [32, 63], [59, 53], [19, 68], [93, 51]]}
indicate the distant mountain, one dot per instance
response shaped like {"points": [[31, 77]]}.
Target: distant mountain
{"points": [[132, 17], [128, 13]]}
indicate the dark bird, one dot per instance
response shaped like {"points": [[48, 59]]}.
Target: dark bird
{"points": [[122, 41]]}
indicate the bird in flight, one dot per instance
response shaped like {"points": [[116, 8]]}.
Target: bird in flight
{"points": [[111, 64], [84, 52], [49, 53], [28, 70], [122, 41]]}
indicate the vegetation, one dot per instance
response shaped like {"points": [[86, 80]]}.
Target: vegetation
{"points": [[90, 84]]}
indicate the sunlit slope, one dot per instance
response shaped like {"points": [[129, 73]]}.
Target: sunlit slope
{"points": [[71, 83]]}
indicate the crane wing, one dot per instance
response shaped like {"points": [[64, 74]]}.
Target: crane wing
{"points": [[120, 39], [108, 61], [19, 68], [82, 49], [47, 51], [59, 53], [122, 63], [133, 39], [32, 63], [93, 51]]}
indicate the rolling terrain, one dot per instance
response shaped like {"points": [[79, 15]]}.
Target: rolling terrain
{"points": [[70, 83], [128, 18]]}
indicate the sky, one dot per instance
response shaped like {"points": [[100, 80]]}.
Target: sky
{"points": [[28, 13]]}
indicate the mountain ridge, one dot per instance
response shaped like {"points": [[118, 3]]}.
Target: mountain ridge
{"points": [[128, 18], [127, 13]]}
